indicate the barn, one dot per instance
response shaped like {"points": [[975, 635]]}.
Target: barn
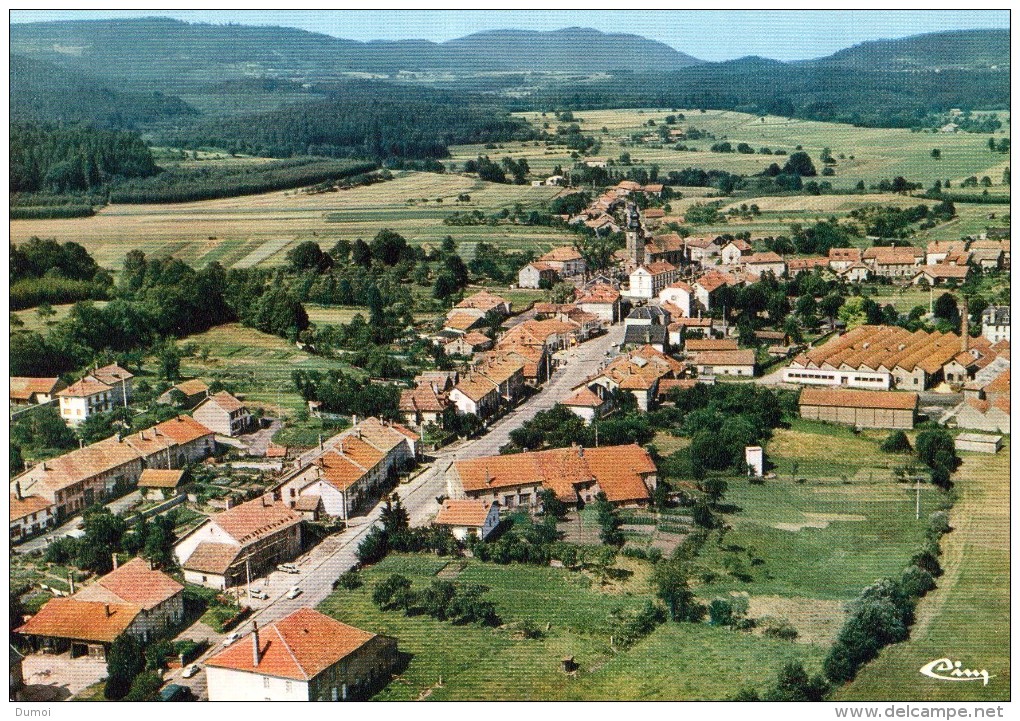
{"points": [[862, 409]]}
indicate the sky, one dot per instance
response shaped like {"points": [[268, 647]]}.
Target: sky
{"points": [[706, 34]]}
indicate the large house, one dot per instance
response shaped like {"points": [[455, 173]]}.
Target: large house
{"points": [[646, 281], [29, 515], [352, 468], [758, 264], [894, 262], [734, 251], [33, 391], [536, 275], [193, 391], [225, 414], [861, 409], [638, 373], [995, 323], [84, 398], [111, 467], [565, 260], [679, 294], [306, 656], [626, 474], [482, 303], [877, 358], [725, 363], [133, 599], [240, 543], [842, 258], [601, 300], [940, 274], [938, 250]]}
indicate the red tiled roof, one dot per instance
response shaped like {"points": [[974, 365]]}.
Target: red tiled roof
{"points": [[561, 254], [134, 583], [212, 557], [299, 646], [695, 345], [183, 429], [23, 388], [26, 506], [726, 358], [840, 398], [482, 300], [160, 478], [463, 512], [255, 519], [111, 374], [584, 398], [84, 388], [225, 401], [81, 620]]}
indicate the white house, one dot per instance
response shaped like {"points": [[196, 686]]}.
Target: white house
{"points": [[534, 274], [679, 294], [84, 398], [733, 251], [648, 280], [465, 517], [760, 263], [29, 515], [585, 404], [995, 323], [306, 656], [224, 414]]}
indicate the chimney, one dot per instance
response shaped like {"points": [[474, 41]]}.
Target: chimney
{"points": [[17, 491], [120, 437], [580, 451], [70, 581], [255, 644], [107, 609], [44, 465], [965, 327], [114, 561], [321, 446]]}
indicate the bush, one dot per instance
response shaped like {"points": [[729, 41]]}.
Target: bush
{"points": [[387, 590], [878, 617], [916, 582], [778, 628], [349, 581], [897, 442]]}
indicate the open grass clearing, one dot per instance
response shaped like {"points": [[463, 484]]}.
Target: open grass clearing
{"points": [[967, 617]]}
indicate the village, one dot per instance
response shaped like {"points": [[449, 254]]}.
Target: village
{"points": [[259, 534]]}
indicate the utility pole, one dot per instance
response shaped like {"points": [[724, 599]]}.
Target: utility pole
{"points": [[917, 509]]}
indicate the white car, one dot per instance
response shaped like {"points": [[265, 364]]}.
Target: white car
{"points": [[231, 638], [258, 593], [190, 670], [294, 592], [288, 568]]}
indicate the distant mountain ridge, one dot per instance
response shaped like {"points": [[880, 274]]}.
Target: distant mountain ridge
{"points": [[155, 47], [957, 49]]}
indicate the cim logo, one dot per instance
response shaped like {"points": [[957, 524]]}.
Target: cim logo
{"points": [[945, 669]]}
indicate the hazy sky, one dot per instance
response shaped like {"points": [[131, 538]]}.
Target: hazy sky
{"points": [[706, 34]]}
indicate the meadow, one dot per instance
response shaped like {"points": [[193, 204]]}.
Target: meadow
{"points": [[877, 153], [967, 617], [450, 662], [259, 229]]}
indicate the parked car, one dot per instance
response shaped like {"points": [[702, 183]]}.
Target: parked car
{"points": [[288, 568], [190, 670], [294, 592], [175, 692], [231, 638], [258, 593]]}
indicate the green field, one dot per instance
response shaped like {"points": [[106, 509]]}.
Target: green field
{"points": [[475, 663], [967, 617], [258, 230], [254, 364], [877, 152]]}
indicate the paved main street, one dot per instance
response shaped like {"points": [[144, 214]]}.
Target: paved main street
{"points": [[323, 564]]}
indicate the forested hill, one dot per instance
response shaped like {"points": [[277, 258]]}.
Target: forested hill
{"points": [[760, 86], [174, 53], [42, 92], [961, 49], [363, 120]]}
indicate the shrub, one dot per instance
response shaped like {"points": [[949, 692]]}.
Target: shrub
{"points": [[896, 442], [386, 590], [916, 581], [349, 581], [778, 628]]}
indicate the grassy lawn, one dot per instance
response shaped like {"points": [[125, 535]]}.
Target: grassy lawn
{"points": [[477, 663], [967, 617], [815, 540], [255, 364]]}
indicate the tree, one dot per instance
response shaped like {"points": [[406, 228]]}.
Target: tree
{"points": [[309, 256], [551, 505], [946, 309], [936, 153], [389, 589], [361, 254], [145, 687], [896, 442], [394, 516], [671, 586], [794, 684], [169, 362], [373, 547], [799, 164], [609, 521], [125, 660]]}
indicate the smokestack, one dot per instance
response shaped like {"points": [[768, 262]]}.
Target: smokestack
{"points": [[255, 644], [965, 327]]}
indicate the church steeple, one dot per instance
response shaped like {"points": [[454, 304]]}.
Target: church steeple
{"points": [[635, 236]]}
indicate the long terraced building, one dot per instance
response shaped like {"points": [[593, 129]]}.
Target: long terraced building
{"points": [[877, 357]]}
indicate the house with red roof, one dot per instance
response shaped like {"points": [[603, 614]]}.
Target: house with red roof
{"points": [[468, 517], [626, 474], [32, 391], [305, 656], [225, 414], [537, 275], [132, 599]]}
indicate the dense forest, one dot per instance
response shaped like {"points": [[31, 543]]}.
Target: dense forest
{"points": [[768, 87], [71, 159], [364, 120], [44, 92], [44, 271]]}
